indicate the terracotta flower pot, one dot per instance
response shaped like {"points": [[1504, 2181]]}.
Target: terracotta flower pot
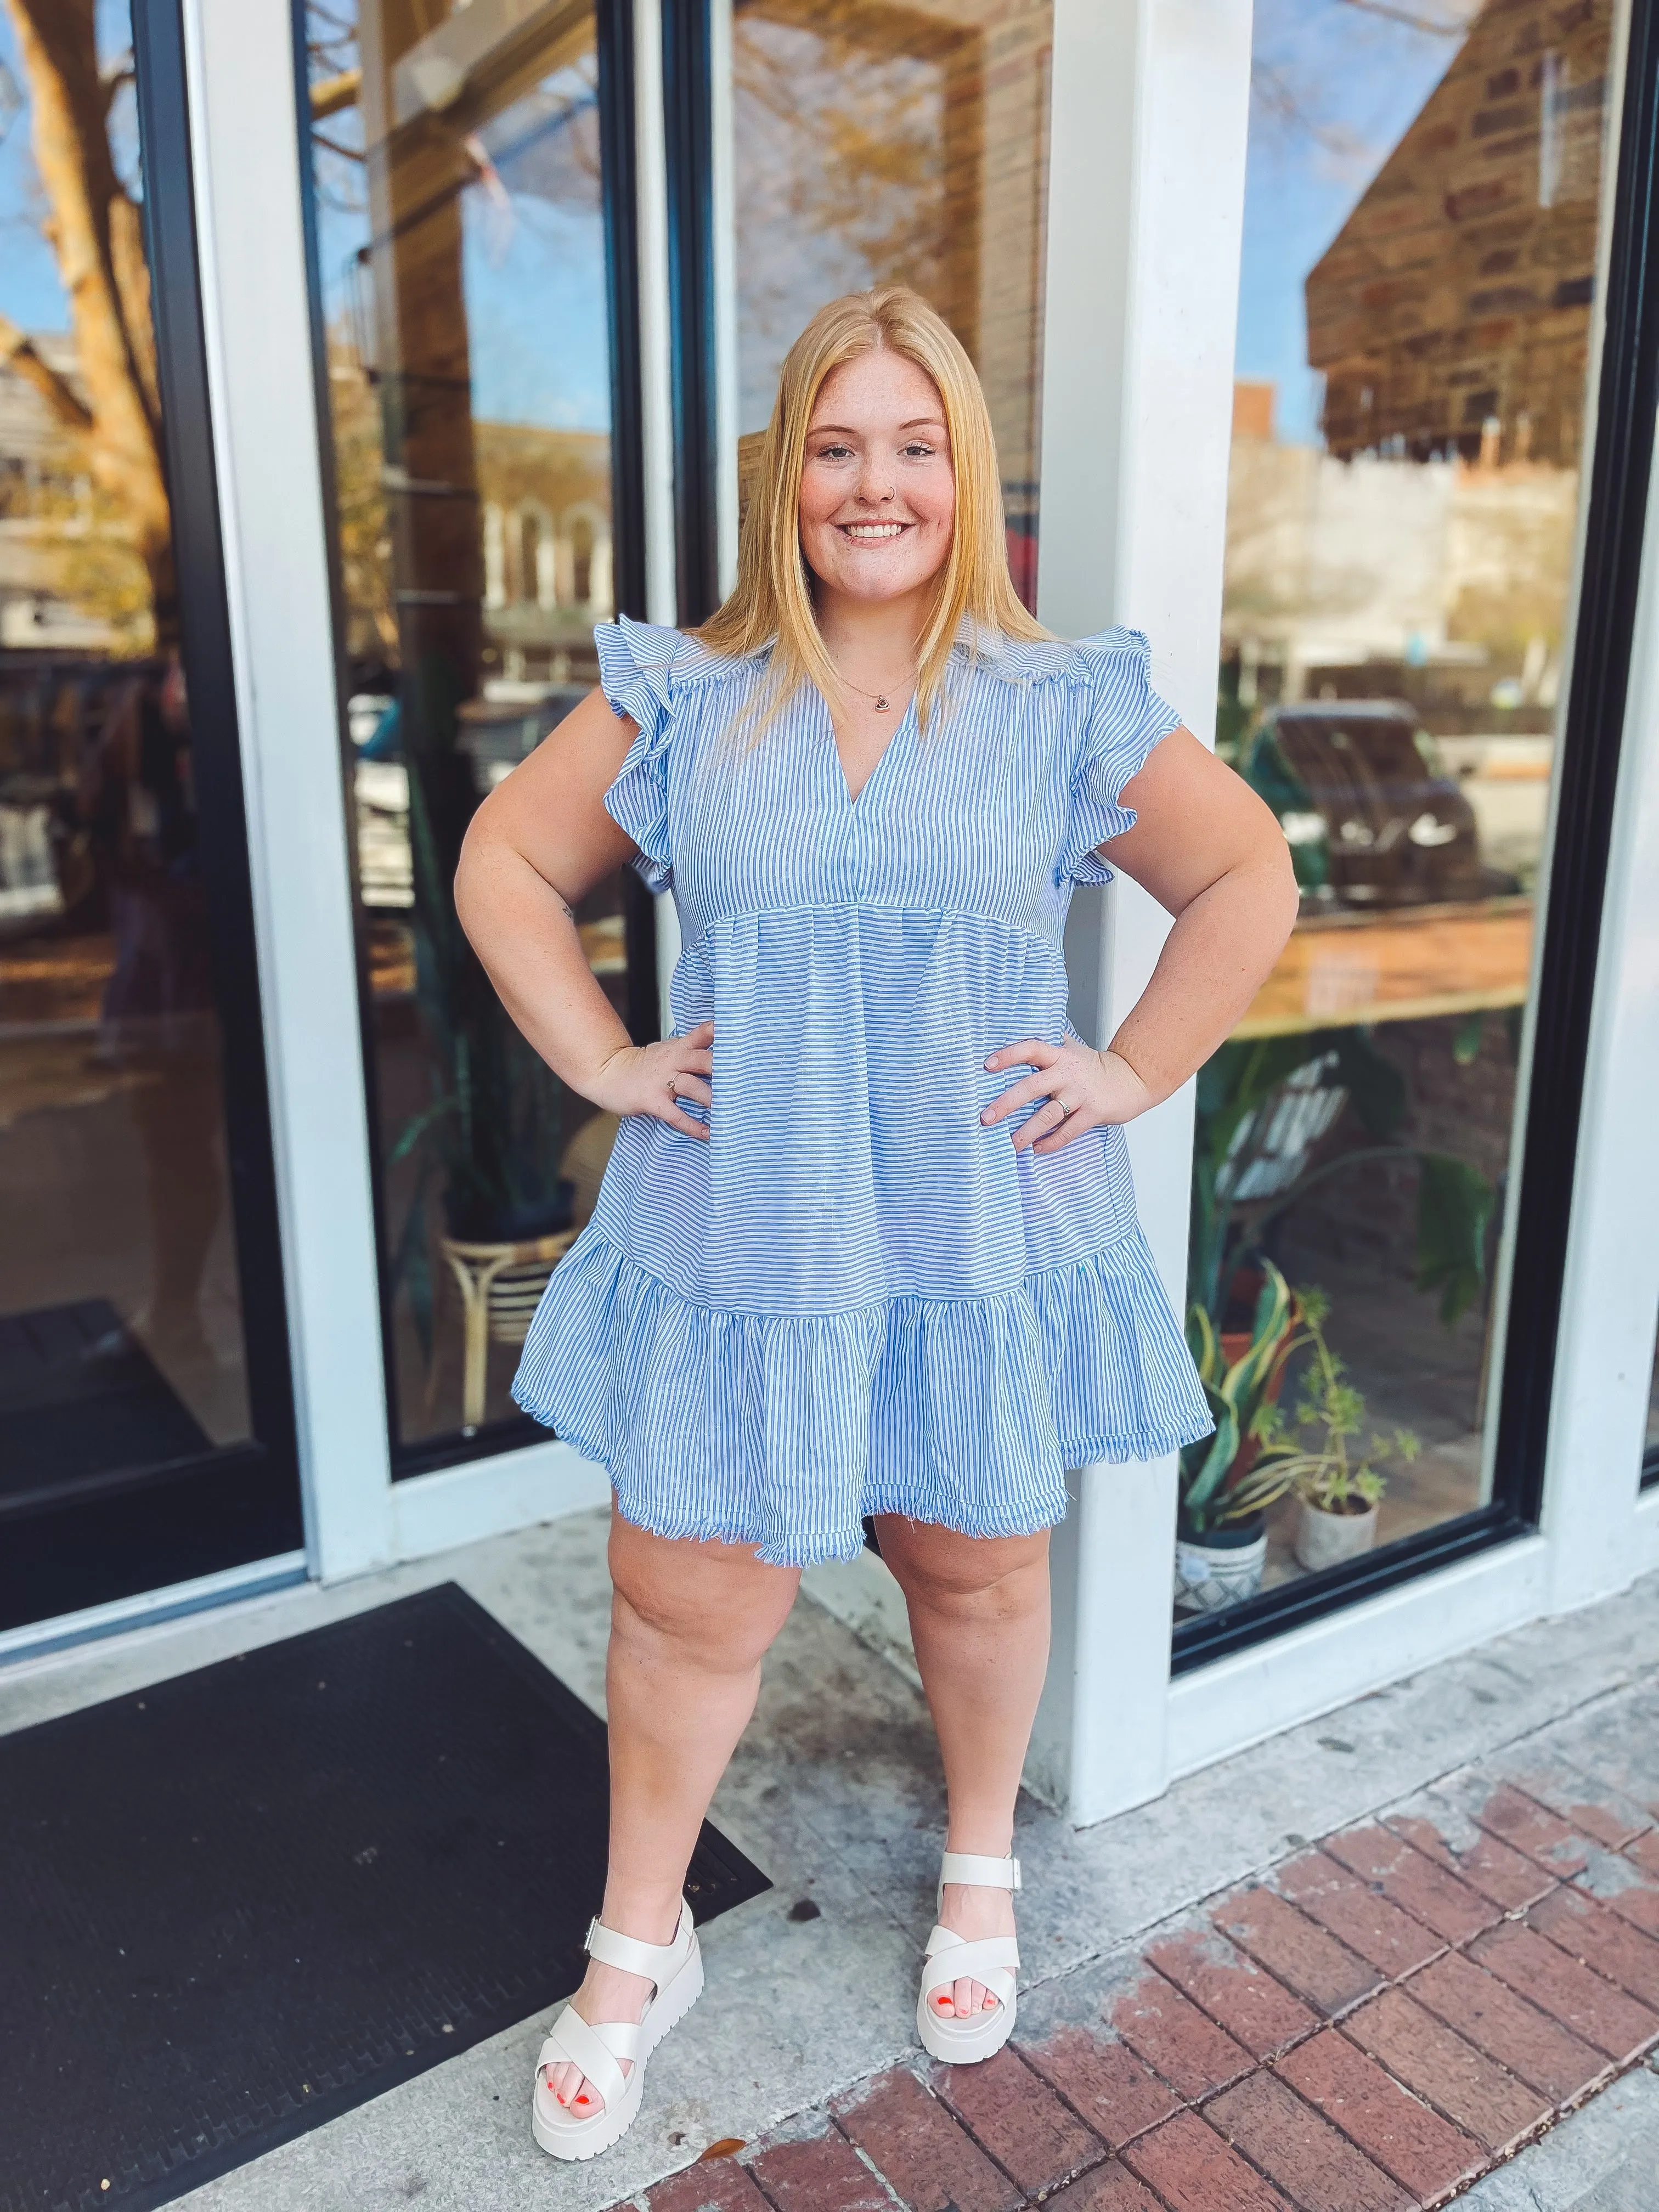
{"points": [[1325, 1539]]}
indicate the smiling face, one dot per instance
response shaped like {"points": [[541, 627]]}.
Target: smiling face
{"points": [[878, 493]]}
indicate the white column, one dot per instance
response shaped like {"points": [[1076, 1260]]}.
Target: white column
{"points": [[257, 312], [1151, 103], [1610, 1293]]}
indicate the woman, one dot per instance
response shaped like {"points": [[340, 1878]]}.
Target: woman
{"points": [[866, 1244]]}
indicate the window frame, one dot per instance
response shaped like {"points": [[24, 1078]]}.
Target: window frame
{"points": [[1615, 503]]}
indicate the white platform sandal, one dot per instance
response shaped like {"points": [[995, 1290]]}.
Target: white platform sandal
{"points": [[992, 1960], [596, 2047]]}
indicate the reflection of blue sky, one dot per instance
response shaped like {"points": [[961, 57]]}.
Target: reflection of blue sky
{"points": [[1335, 88], [30, 292], [532, 261], [535, 314]]}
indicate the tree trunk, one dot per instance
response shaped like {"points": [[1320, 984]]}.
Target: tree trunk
{"points": [[94, 232]]}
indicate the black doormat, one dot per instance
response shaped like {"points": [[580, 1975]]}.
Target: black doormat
{"points": [[80, 1396], [235, 1906]]}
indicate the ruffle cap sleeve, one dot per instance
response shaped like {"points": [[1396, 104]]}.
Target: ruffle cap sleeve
{"points": [[1124, 719], [636, 674]]}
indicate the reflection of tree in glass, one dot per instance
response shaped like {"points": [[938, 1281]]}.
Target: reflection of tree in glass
{"points": [[537, 163], [108, 411], [1309, 56], [334, 77], [546, 146], [840, 178], [360, 506]]}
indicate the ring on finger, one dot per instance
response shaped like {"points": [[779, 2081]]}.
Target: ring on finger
{"points": [[1060, 1103]]}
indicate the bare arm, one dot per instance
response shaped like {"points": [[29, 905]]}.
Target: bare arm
{"points": [[1213, 855], [536, 847]]}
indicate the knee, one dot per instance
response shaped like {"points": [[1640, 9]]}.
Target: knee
{"points": [[969, 1578], [723, 1621]]}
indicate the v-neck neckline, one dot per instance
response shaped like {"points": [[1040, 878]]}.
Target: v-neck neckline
{"points": [[854, 799]]}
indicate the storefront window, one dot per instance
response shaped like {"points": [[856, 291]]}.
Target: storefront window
{"points": [[1415, 325], [121, 1335], [460, 220], [878, 144]]}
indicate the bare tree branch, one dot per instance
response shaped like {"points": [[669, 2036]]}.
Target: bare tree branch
{"points": [[1436, 26], [330, 93]]}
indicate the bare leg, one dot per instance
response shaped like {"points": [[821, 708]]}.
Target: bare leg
{"points": [[689, 1623], [979, 1619]]}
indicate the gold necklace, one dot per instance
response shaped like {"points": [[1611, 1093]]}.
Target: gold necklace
{"points": [[882, 704]]}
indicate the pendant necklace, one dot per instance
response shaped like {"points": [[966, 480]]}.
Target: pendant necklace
{"points": [[879, 700]]}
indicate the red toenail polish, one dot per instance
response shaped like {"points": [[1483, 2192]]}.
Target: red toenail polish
{"points": [[581, 2100]]}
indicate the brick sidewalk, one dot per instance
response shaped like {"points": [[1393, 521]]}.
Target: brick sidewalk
{"points": [[1375, 2023]]}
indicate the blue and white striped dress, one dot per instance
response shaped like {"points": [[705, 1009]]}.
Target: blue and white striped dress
{"points": [[855, 1298]]}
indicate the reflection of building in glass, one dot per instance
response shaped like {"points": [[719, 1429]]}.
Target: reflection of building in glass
{"points": [[1451, 313], [70, 579], [1383, 572], [547, 554]]}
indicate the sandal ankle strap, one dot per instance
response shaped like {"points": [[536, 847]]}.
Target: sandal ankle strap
{"points": [[978, 1872], [626, 1952]]}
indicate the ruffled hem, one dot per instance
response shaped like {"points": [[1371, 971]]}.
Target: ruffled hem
{"points": [[783, 1431]]}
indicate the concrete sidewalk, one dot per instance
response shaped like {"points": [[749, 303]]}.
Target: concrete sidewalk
{"points": [[836, 1793]]}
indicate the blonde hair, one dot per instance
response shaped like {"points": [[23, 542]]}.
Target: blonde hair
{"points": [[773, 600]]}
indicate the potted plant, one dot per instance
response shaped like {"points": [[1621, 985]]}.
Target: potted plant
{"points": [[1338, 1484], [1221, 1539]]}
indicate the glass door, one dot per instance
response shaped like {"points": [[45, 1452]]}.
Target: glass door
{"points": [[471, 201], [146, 1429]]}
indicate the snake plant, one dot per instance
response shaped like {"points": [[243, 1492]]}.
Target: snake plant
{"points": [[1215, 1485]]}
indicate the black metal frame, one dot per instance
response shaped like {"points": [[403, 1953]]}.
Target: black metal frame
{"points": [[615, 50], [1592, 733], [618, 172], [687, 115], [139, 1529]]}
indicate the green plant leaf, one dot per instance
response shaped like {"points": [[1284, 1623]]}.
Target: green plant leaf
{"points": [[412, 1265], [416, 1127], [1454, 1205], [1222, 1452], [1375, 1087], [1201, 1341], [1466, 1045]]}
